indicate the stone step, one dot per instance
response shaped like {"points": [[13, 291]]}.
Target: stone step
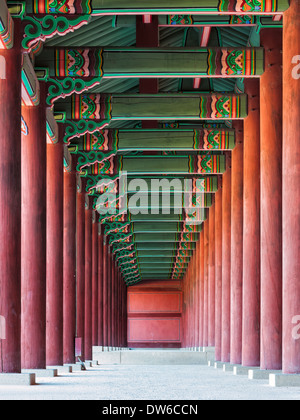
{"points": [[149, 357]]}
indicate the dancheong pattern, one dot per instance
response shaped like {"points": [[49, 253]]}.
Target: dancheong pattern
{"points": [[93, 107], [79, 62], [213, 140], [231, 62], [219, 107], [100, 140], [248, 5], [67, 7], [206, 164]]}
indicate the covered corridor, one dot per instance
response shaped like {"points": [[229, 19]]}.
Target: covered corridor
{"points": [[150, 188]]}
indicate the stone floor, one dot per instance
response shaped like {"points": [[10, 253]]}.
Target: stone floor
{"points": [[119, 382]]}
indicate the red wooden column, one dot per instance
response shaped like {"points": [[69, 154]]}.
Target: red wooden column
{"points": [[109, 277], [237, 246], [95, 279], [201, 258], [212, 279], [10, 209], [206, 262], [251, 232], [193, 301], [271, 200], [80, 262], [197, 287], [88, 280], [226, 264], [291, 189], [105, 291], [100, 287], [69, 274], [113, 307], [33, 251], [117, 306], [218, 271], [54, 265]]}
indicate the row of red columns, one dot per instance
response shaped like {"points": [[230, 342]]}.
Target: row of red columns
{"points": [[242, 289], [59, 279]]}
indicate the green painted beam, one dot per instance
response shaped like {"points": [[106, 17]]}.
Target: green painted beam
{"points": [[172, 140], [153, 139], [155, 63], [160, 227], [162, 238], [199, 164], [166, 246], [119, 7], [162, 254], [105, 108], [185, 20]]}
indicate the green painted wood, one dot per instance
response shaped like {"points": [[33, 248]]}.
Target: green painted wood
{"points": [[162, 254], [164, 139], [169, 106], [173, 6], [119, 7], [163, 165], [162, 62], [160, 238]]}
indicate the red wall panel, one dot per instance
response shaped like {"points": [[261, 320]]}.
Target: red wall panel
{"points": [[154, 314], [154, 302], [154, 329]]}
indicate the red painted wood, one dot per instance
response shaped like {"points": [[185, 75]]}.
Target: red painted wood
{"points": [[33, 251], [197, 294], [212, 278], [109, 277], [291, 188], [271, 201], [100, 290], [251, 242], [105, 302], [237, 246], [201, 326], [154, 302], [147, 36], [154, 330], [80, 264], [218, 274], [10, 209], [69, 275], [95, 281], [206, 262], [154, 316], [113, 306], [226, 264], [54, 307], [88, 283]]}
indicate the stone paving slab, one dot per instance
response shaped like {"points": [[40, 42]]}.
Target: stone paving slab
{"points": [[130, 383]]}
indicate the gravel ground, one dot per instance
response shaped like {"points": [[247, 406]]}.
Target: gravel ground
{"points": [[118, 382]]}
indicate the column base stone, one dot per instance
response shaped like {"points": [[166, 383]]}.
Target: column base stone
{"points": [[261, 374], [284, 380], [243, 370], [17, 379], [61, 369], [42, 373]]}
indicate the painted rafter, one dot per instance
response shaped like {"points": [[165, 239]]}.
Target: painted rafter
{"points": [[30, 89], [6, 27]]}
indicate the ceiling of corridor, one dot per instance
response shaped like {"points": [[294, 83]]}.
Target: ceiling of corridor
{"points": [[106, 121]]}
